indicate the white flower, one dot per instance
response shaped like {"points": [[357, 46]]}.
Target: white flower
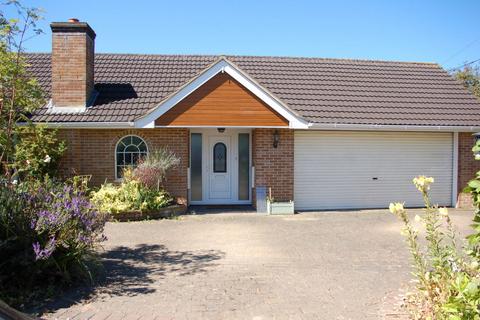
{"points": [[423, 183], [396, 208], [15, 182], [418, 218], [477, 156], [47, 159], [28, 162], [443, 212]]}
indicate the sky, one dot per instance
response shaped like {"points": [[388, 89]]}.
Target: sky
{"points": [[439, 31]]}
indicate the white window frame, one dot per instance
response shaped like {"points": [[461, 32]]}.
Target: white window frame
{"points": [[117, 178]]}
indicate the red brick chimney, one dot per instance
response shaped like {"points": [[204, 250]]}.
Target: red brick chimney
{"points": [[73, 48]]}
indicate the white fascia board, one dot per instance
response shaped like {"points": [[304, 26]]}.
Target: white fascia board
{"points": [[232, 127], [88, 125], [148, 121], [360, 127]]}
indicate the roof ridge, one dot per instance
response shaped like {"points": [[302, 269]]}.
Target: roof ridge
{"points": [[333, 59], [258, 56]]}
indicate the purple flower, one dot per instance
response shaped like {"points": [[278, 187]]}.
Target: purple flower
{"points": [[44, 254], [37, 250], [48, 219]]}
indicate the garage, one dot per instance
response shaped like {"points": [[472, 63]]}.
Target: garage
{"points": [[368, 169]]}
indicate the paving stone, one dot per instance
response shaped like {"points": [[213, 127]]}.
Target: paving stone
{"points": [[328, 265]]}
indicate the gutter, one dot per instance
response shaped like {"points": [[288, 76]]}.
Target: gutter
{"points": [[366, 127], [89, 125], [311, 126]]}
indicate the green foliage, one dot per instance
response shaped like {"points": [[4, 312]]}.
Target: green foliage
{"points": [[470, 78], [447, 278], [474, 189], [48, 235], [19, 94], [37, 151], [130, 195]]}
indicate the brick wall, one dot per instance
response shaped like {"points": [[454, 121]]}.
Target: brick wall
{"points": [[72, 68], [467, 167], [274, 166], [92, 151]]}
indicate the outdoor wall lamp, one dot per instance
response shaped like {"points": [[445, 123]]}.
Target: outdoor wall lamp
{"points": [[276, 138], [221, 130]]}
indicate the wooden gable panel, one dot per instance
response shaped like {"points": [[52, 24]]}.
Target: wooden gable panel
{"points": [[221, 101]]}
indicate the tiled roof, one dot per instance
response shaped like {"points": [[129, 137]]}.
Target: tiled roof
{"points": [[326, 91]]}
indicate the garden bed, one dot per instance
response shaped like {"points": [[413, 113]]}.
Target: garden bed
{"points": [[137, 215]]}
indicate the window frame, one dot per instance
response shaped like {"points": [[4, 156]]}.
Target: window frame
{"points": [[215, 159], [117, 178]]}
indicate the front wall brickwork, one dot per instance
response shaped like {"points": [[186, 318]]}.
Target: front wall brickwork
{"points": [[274, 166], [92, 151], [467, 167]]}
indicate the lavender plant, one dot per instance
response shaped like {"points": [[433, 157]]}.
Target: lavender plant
{"points": [[49, 231]]}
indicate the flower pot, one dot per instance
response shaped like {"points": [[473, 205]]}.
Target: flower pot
{"points": [[280, 208]]}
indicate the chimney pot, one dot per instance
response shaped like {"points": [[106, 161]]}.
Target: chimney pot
{"points": [[73, 20]]}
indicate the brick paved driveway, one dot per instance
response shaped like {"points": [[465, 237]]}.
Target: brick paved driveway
{"points": [[329, 265]]}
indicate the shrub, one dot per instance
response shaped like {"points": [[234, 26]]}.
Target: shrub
{"points": [[48, 233], [474, 189], [130, 195], [447, 279], [152, 169], [37, 151]]}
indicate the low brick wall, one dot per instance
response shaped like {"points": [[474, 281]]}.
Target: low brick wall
{"points": [[167, 212]]}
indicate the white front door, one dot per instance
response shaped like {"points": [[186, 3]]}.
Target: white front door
{"points": [[219, 168]]}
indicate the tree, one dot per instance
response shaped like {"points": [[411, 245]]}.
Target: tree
{"points": [[470, 78], [20, 95]]}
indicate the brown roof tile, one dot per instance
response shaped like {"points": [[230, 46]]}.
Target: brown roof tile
{"points": [[320, 90]]}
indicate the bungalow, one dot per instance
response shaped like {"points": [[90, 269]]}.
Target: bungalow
{"points": [[326, 133]]}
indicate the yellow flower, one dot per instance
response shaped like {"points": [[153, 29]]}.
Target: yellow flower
{"points": [[423, 183], [443, 212], [396, 208]]}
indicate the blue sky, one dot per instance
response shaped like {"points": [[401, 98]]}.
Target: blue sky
{"points": [[440, 31]]}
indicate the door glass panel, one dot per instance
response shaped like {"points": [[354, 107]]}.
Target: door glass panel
{"points": [[196, 167], [243, 166], [220, 157]]}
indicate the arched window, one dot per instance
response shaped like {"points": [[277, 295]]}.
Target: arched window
{"points": [[220, 157], [127, 153]]}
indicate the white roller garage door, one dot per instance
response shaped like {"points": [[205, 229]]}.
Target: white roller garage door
{"points": [[360, 169]]}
